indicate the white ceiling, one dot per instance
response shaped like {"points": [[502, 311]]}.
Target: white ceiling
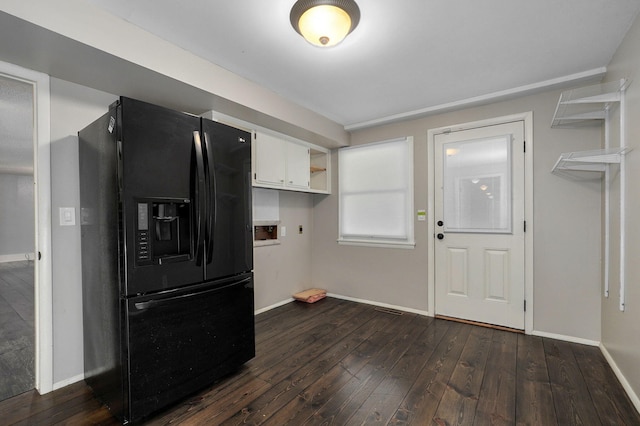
{"points": [[406, 56]]}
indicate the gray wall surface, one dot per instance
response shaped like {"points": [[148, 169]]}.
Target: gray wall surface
{"points": [[17, 220], [72, 108], [566, 226], [621, 330], [284, 269]]}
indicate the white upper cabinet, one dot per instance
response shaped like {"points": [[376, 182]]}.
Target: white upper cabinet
{"points": [[269, 161], [279, 163], [298, 172]]}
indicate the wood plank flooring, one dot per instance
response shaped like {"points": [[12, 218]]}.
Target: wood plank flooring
{"points": [[342, 363], [17, 332]]}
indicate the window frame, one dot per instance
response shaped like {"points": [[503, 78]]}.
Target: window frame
{"points": [[407, 242]]}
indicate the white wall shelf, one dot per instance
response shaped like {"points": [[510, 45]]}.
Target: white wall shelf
{"points": [[593, 104], [589, 161], [582, 106]]}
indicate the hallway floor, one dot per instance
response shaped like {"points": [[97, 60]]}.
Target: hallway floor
{"points": [[17, 331]]}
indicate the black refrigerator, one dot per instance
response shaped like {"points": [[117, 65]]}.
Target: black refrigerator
{"points": [[167, 255]]}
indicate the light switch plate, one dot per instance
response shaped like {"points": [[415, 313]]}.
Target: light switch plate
{"points": [[67, 216]]}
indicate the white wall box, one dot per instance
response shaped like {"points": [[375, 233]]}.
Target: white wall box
{"points": [[266, 217], [266, 233], [582, 106], [280, 163]]}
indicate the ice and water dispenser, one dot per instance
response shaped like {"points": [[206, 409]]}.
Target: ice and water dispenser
{"points": [[163, 231]]}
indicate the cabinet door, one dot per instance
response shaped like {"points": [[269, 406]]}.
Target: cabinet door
{"points": [[298, 171], [270, 160]]}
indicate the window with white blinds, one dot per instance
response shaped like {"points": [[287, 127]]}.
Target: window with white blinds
{"points": [[376, 194]]}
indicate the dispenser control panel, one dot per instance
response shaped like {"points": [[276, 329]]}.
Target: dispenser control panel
{"points": [[142, 234]]}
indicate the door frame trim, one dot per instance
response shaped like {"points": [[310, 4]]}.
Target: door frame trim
{"points": [[527, 118], [43, 292]]}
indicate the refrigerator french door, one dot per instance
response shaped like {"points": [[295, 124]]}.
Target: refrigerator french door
{"points": [[189, 348], [167, 255]]}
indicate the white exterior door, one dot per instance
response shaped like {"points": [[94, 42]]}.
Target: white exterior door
{"points": [[479, 215]]}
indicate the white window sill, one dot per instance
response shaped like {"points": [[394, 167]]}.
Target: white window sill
{"points": [[381, 244]]}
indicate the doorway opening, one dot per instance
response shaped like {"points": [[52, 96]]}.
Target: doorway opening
{"points": [[26, 351], [17, 238]]}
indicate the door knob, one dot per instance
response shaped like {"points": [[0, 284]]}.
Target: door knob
{"points": [[440, 236], [440, 223]]}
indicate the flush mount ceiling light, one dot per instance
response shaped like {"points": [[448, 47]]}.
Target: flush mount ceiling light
{"points": [[324, 23]]}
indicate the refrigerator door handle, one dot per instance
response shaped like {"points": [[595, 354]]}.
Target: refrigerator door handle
{"points": [[212, 191], [199, 198], [141, 306]]}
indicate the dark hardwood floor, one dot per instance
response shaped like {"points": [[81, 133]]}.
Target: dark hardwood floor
{"points": [[343, 363], [17, 332]]}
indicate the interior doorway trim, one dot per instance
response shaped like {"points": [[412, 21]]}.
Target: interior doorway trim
{"points": [[42, 202], [527, 118]]}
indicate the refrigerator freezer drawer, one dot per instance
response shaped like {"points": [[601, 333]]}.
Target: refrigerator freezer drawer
{"points": [[185, 340]]}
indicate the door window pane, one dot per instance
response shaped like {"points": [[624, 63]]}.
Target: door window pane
{"points": [[477, 185]]}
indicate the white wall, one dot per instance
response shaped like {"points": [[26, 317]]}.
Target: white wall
{"points": [[621, 330], [16, 216], [72, 108], [566, 227]]}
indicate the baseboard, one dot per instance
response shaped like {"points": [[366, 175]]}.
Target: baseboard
{"points": [[16, 257], [275, 305], [382, 305], [623, 380], [571, 339], [67, 382]]}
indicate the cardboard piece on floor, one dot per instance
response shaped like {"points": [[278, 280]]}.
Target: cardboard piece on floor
{"points": [[311, 295]]}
